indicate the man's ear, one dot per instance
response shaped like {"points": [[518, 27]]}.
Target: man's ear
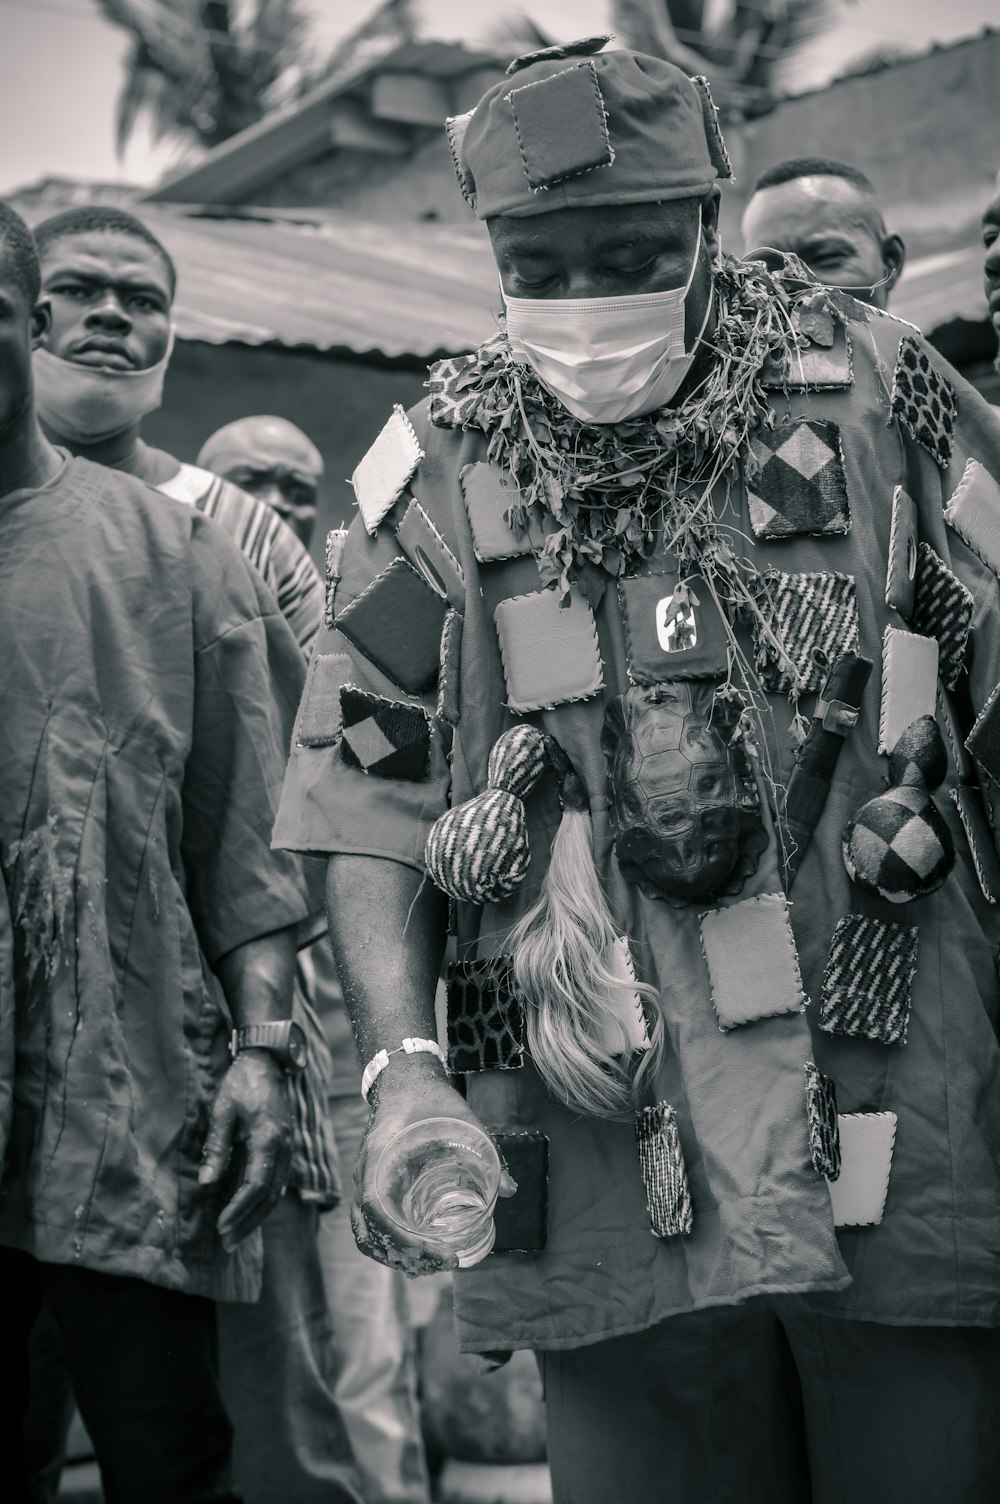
{"points": [[41, 323], [893, 259], [710, 222]]}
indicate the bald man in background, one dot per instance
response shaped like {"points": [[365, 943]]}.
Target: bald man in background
{"points": [[274, 461]]}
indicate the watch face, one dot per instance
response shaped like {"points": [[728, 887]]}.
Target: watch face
{"points": [[297, 1048]]}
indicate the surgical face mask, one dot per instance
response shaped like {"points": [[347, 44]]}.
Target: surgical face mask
{"points": [[607, 359], [86, 405]]}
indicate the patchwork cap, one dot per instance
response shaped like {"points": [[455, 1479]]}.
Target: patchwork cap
{"points": [[574, 126]]}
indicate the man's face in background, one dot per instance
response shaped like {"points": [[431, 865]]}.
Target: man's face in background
{"points": [[991, 264], [274, 461]]}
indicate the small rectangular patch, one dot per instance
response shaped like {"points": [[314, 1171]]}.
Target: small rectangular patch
{"points": [[800, 488], [319, 715], [900, 579], [385, 737], [753, 966], [969, 803], [858, 1194], [909, 683], [814, 618], [983, 740], [486, 501], [550, 651], [673, 629], [869, 979], [923, 401], [449, 676], [386, 469], [430, 555], [821, 1116], [336, 540], [561, 126], [661, 1162], [624, 1030], [485, 1019], [397, 622], [973, 510], [942, 609], [521, 1220], [815, 369]]}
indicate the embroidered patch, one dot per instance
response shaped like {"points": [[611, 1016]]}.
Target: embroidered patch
{"points": [[430, 555], [386, 469], [396, 622], [942, 609], [661, 1161], [450, 670], [486, 501], [520, 1220], [969, 803], [868, 979], [984, 739], [561, 126], [814, 618], [319, 715], [814, 369], [673, 629], [901, 574], [550, 651], [753, 966], [485, 1019], [973, 510], [923, 401], [336, 540], [800, 487], [385, 737], [858, 1195], [909, 683], [821, 1116]]}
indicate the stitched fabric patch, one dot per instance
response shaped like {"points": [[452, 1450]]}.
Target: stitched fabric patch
{"points": [[673, 629], [969, 803], [455, 129], [661, 1161], [814, 369], [814, 617], [319, 716], [430, 555], [485, 1019], [385, 737], [454, 403], [973, 510], [397, 622], [821, 1115], [984, 738], [753, 966], [923, 401], [800, 487], [909, 683], [901, 572], [868, 979], [386, 469], [561, 126], [486, 501], [521, 1219], [450, 671], [550, 651], [858, 1195], [942, 608], [336, 540]]}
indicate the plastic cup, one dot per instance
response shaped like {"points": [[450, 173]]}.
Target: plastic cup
{"points": [[438, 1180]]}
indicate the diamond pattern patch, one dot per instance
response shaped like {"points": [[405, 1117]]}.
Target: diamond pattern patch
{"points": [[384, 737], [814, 619], [923, 401], [800, 487], [942, 608], [821, 1114], [485, 1019], [868, 979], [661, 1161]]}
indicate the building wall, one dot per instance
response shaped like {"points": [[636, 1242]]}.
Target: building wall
{"points": [[341, 404], [393, 189]]}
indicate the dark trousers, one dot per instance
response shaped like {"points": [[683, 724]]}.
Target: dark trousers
{"points": [[769, 1404], [142, 1361]]}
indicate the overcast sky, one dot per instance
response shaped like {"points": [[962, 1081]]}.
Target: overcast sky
{"points": [[60, 66]]}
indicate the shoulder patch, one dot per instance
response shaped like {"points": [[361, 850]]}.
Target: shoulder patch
{"points": [[387, 738], [973, 511], [923, 400], [800, 487], [396, 622], [386, 469]]}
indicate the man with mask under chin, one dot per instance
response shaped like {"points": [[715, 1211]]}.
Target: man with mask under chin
{"points": [[601, 665]]}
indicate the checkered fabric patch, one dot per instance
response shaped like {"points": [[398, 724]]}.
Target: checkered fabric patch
{"points": [[942, 608], [336, 540], [898, 845], [800, 487], [821, 1115], [814, 618], [485, 1019], [661, 1161], [868, 979], [923, 401], [384, 737]]}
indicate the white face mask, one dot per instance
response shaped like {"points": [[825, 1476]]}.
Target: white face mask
{"points": [[607, 359], [86, 405]]}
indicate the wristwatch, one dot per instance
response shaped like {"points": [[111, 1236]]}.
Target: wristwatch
{"points": [[285, 1040]]}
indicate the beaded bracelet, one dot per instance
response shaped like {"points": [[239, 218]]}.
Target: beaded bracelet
{"points": [[378, 1063]]}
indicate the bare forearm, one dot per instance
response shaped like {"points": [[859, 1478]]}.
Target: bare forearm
{"points": [[258, 978]]}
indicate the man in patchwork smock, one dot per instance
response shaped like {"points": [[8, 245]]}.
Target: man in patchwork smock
{"points": [[665, 645]]}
